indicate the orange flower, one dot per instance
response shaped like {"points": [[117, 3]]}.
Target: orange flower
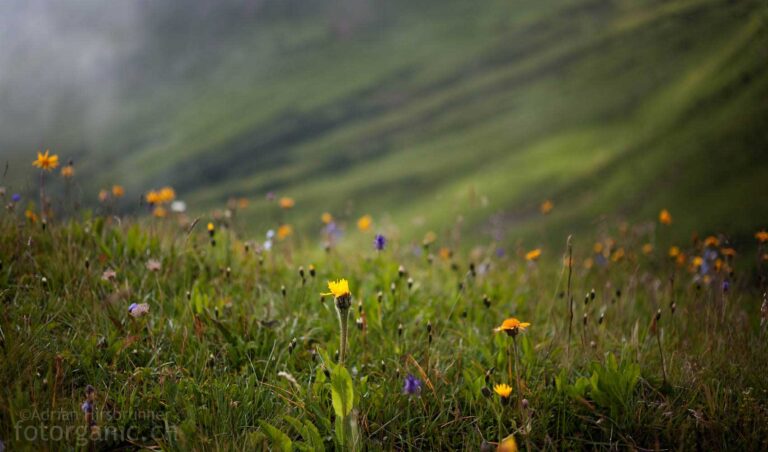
{"points": [[762, 236], [326, 217], [512, 326], [364, 223], [160, 212], [546, 207], [618, 255], [67, 171], [31, 216], [152, 197], [118, 191], [711, 241], [533, 255], [445, 253], [166, 194], [647, 248], [729, 252], [45, 161], [665, 217], [287, 203], [284, 231], [674, 251]]}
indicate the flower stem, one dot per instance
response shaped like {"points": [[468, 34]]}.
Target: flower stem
{"points": [[343, 322]]}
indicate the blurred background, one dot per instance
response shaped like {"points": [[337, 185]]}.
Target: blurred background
{"points": [[425, 114]]}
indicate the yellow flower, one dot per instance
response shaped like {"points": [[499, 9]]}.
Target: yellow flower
{"points": [[364, 223], [67, 171], [588, 263], [326, 217], [697, 261], [118, 191], [647, 248], [546, 207], [166, 194], [338, 288], [103, 195], [45, 161], [512, 326], [31, 216], [711, 241], [508, 444], [665, 217], [286, 202], [503, 390], [762, 236], [533, 255], [284, 231], [160, 212], [152, 197], [211, 227], [674, 251]]}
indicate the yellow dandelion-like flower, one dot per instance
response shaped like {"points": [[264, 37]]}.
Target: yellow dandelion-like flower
{"points": [[697, 261], [503, 390], [326, 217], [166, 194], [364, 223], [152, 197], [287, 203], [512, 326], [211, 227], [67, 172], [46, 161], [533, 255], [665, 217], [712, 241], [118, 191], [674, 251], [508, 444], [338, 288], [647, 248], [160, 212], [284, 231], [546, 207]]}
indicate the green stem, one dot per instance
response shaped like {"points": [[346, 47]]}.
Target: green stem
{"points": [[343, 322]]}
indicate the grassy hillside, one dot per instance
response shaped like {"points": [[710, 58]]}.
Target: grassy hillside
{"points": [[422, 114]]}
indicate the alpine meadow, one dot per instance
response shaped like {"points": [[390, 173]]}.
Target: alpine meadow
{"points": [[384, 225]]}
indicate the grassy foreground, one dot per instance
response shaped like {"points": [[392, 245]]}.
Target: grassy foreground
{"points": [[238, 349]]}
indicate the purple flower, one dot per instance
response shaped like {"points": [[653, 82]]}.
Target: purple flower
{"points": [[499, 252], [16, 197], [379, 242], [412, 385], [726, 285]]}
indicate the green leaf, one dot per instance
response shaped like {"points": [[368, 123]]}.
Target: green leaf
{"points": [[280, 440], [342, 392]]}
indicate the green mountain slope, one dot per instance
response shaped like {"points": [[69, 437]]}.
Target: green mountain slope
{"points": [[422, 114]]}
